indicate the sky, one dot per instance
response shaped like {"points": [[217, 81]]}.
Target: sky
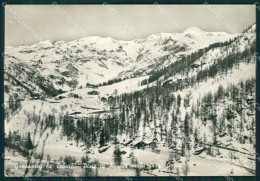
{"points": [[29, 24]]}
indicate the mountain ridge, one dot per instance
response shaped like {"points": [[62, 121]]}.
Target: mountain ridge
{"points": [[69, 65]]}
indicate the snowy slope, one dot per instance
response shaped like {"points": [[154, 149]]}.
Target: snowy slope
{"points": [[69, 66], [95, 60]]}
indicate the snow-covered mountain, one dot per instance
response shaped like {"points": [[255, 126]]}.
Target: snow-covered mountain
{"points": [[69, 65], [181, 104]]}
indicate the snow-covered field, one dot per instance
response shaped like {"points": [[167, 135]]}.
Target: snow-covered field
{"points": [[145, 120]]}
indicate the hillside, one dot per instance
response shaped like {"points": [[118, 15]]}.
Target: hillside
{"points": [[186, 100]]}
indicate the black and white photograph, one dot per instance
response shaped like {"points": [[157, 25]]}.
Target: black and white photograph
{"points": [[130, 90]]}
